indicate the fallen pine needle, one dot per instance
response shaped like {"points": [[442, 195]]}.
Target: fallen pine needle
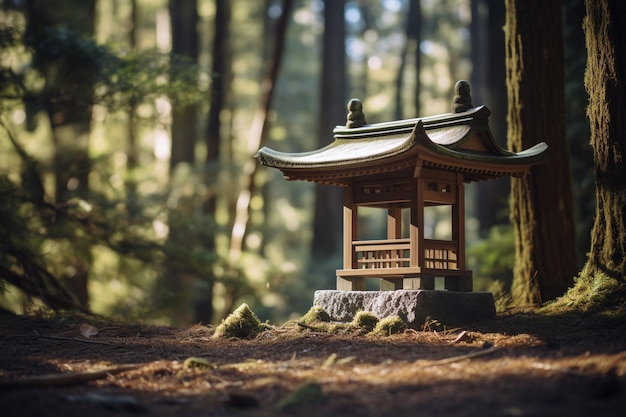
{"points": [[61, 380], [75, 339], [470, 355]]}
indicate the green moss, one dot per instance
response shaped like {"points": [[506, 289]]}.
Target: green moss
{"points": [[593, 291], [316, 319], [315, 315], [365, 321], [242, 324], [388, 326]]}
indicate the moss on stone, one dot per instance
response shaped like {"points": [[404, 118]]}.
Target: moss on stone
{"points": [[315, 314]]}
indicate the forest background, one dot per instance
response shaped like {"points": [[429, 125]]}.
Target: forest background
{"points": [[128, 129]]}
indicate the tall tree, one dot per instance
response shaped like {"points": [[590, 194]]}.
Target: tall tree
{"points": [[603, 279], [541, 202], [221, 74], [184, 18], [54, 31], [177, 280], [489, 88], [412, 41], [258, 133], [327, 216]]}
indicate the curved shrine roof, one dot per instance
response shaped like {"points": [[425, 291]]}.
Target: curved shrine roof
{"points": [[457, 142]]}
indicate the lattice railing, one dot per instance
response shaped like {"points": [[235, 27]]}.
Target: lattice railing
{"points": [[382, 254], [396, 253], [440, 254]]}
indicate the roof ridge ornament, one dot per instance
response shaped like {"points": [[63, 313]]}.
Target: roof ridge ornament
{"points": [[462, 100], [356, 117]]}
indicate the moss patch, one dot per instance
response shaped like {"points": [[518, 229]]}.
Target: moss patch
{"points": [[365, 321], [388, 326], [593, 291], [241, 324]]}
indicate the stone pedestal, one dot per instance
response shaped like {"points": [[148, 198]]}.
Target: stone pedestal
{"points": [[450, 308]]}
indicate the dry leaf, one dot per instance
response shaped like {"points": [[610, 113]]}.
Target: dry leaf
{"points": [[462, 336], [87, 330]]}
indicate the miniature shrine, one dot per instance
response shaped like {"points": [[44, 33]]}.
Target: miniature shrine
{"points": [[407, 165]]}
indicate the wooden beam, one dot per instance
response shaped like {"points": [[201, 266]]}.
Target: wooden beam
{"points": [[350, 220]]}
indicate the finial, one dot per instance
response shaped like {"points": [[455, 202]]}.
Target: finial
{"points": [[356, 118], [462, 98]]}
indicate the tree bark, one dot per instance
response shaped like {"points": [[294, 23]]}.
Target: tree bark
{"points": [[604, 80], [541, 202]]}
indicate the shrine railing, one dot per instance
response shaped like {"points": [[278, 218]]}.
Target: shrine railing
{"points": [[396, 253]]}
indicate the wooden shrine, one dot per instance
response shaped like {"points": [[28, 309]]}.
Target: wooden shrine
{"points": [[407, 165]]}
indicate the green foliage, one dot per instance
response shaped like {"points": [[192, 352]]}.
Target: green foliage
{"points": [[66, 68], [21, 263], [492, 260]]}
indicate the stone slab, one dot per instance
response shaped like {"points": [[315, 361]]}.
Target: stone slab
{"points": [[451, 308]]}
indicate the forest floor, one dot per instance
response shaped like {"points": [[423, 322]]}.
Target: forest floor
{"points": [[522, 364]]}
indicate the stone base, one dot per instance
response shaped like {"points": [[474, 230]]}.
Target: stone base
{"points": [[450, 308]]}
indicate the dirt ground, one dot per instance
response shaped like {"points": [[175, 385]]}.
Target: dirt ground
{"points": [[521, 364]]}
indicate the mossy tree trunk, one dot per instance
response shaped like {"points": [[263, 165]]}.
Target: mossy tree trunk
{"points": [[541, 202], [604, 80]]}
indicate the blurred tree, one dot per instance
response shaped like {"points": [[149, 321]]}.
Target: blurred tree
{"points": [[541, 202], [132, 150], [602, 282], [54, 30], [178, 280], [327, 220], [489, 88], [220, 86], [581, 158], [411, 48], [60, 70], [184, 23], [258, 133]]}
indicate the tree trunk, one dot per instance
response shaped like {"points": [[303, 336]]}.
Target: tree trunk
{"points": [[179, 284], [327, 221], [411, 47], [489, 88], [604, 80], [184, 17], [220, 71], [541, 202]]}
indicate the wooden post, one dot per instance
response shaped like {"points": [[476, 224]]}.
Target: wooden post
{"points": [[416, 234], [350, 217], [394, 231], [460, 282], [458, 221]]}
